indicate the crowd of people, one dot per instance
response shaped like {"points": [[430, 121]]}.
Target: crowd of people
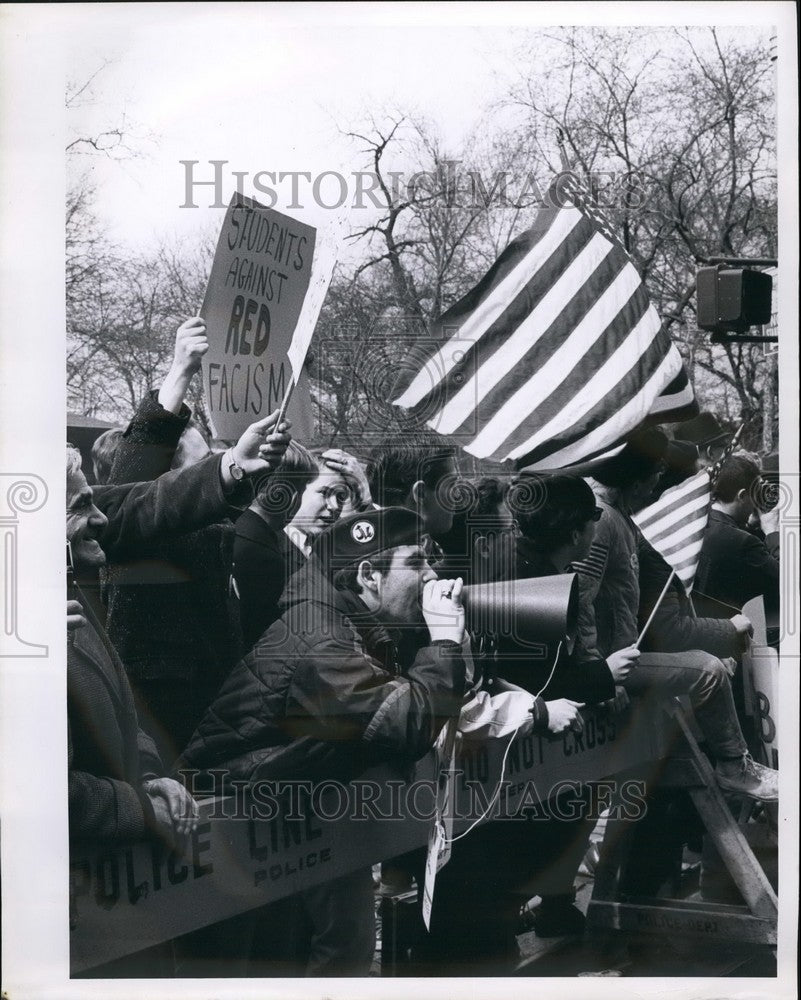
{"points": [[272, 611]]}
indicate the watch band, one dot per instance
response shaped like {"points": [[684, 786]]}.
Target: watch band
{"points": [[236, 470]]}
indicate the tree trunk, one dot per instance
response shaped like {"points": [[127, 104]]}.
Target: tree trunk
{"points": [[770, 399]]}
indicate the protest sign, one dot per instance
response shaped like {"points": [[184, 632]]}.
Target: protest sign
{"points": [[761, 664], [253, 301]]}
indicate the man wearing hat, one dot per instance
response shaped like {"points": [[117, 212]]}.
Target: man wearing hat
{"points": [[706, 434], [338, 684]]}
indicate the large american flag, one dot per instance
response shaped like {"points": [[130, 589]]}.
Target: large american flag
{"points": [[675, 524], [556, 354]]}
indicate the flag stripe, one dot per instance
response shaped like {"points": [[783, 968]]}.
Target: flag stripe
{"points": [[676, 511], [549, 367], [697, 485], [678, 536], [685, 556], [483, 343], [542, 346], [675, 525], [513, 347], [584, 394], [487, 313], [605, 423], [674, 396]]}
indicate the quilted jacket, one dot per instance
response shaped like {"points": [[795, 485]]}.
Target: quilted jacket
{"points": [[327, 691]]}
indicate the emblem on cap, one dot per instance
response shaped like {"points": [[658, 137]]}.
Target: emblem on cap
{"points": [[362, 532]]}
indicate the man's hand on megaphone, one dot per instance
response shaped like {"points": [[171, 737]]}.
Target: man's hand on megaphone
{"points": [[622, 662], [443, 611], [564, 714]]}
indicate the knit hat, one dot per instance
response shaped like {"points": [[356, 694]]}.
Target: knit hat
{"points": [[360, 536]]}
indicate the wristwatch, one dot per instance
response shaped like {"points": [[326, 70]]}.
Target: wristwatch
{"points": [[236, 470]]}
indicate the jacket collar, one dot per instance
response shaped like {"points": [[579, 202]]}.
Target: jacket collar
{"points": [[249, 525], [720, 515], [310, 584]]}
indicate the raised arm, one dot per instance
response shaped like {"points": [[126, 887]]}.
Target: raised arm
{"points": [[190, 498], [148, 445]]}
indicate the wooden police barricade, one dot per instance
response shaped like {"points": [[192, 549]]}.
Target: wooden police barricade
{"points": [[127, 898], [755, 922]]}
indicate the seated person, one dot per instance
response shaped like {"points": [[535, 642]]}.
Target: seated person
{"points": [[675, 627], [476, 906], [556, 532], [611, 577]]}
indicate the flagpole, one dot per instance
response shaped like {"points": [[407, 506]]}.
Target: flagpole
{"points": [[656, 608], [560, 139]]}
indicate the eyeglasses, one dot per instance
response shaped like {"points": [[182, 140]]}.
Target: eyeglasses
{"points": [[597, 514]]}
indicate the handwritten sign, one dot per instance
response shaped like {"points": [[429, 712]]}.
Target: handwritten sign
{"points": [[126, 898], [253, 301]]}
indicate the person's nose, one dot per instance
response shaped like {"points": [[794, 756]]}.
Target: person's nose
{"points": [[97, 519], [429, 574]]}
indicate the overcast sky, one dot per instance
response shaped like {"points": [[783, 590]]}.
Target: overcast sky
{"points": [[264, 96], [268, 87]]}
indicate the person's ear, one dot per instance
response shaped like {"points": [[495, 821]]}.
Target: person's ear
{"points": [[418, 492], [575, 536], [368, 577]]}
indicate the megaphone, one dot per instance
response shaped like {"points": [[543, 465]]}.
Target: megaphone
{"points": [[534, 609]]}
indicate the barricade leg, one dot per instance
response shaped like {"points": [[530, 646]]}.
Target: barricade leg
{"points": [[755, 922]]}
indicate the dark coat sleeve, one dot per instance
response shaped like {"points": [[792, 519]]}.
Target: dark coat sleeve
{"points": [[760, 566], [105, 808], [349, 697], [674, 628], [109, 755], [175, 503], [148, 444], [589, 682], [772, 544], [260, 575]]}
